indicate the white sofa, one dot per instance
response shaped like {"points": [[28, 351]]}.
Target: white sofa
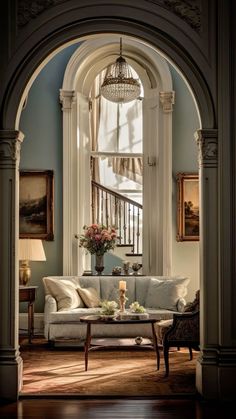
{"points": [[161, 296]]}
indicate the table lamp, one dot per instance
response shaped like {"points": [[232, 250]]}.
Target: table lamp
{"points": [[29, 249]]}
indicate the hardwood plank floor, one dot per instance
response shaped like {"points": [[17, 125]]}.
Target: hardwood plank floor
{"points": [[116, 409]]}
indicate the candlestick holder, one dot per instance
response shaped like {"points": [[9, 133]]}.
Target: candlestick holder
{"points": [[122, 300]]}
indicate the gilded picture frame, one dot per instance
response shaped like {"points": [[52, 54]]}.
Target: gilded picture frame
{"points": [[36, 202], [187, 207]]}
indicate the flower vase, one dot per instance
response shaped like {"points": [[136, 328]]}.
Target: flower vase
{"points": [[99, 264]]}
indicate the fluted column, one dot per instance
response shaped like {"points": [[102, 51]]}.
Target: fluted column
{"points": [[10, 361], [207, 367], [167, 100], [70, 256]]}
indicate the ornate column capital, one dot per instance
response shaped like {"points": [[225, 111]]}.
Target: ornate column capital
{"points": [[10, 145], [67, 99], [167, 100], [207, 140]]}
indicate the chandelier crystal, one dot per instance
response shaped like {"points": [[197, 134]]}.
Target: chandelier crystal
{"points": [[119, 85]]}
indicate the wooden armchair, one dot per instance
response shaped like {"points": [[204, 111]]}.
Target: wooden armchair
{"points": [[183, 331]]}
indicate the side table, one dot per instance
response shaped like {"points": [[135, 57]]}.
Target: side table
{"points": [[28, 294]]}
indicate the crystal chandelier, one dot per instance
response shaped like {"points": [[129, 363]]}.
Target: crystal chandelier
{"points": [[119, 85]]}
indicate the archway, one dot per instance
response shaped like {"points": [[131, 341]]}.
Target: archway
{"points": [[87, 61], [13, 96]]}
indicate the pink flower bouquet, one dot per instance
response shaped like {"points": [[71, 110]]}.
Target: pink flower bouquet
{"points": [[98, 239]]}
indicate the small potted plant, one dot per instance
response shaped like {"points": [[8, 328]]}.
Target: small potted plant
{"points": [[137, 308], [108, 309]]}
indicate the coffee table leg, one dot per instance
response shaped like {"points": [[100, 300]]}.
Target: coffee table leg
{"points": [[87, 345], [155, 344]]}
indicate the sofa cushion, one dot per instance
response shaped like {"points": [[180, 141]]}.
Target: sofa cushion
{"points": [[161, 328], [89, 296], [64, 291], [141, 289], [166, 293], [90, 282], [73, 315], [74, 280]]}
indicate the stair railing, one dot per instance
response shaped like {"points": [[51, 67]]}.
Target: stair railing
{"points": [[113, 209]]}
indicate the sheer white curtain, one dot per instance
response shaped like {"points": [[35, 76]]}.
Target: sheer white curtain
{"points": [[94, 125], [120, 130]]}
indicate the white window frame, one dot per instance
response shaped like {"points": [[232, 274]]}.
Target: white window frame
{"points": [[87, 61]]}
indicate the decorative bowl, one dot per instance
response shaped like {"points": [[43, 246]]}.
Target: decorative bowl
{"points": [[116, 270]]}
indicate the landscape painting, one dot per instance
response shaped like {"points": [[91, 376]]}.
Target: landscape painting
{"points": [[36, 205], [188, 207]]}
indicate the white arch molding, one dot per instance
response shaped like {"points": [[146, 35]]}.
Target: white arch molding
{"points": [[87, 61]]}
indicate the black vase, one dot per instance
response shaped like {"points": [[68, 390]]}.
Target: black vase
{"points": [[99, 264]]}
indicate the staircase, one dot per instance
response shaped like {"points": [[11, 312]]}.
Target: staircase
{"points": [[114, 209]]}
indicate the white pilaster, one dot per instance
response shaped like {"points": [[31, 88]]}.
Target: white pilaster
{"points": [[152, 252], [157, 188], [167, 100], [83, 216], [68, 100], [10, 360]]}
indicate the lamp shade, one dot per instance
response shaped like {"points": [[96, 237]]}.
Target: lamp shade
{"points": [[31, 249]]}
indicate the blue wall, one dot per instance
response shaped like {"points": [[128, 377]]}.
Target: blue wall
{"points": [[41, 122], [185, 255], [185, 123]]}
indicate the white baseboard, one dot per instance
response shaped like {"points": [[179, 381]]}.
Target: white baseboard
{"points": [[38, 323]]}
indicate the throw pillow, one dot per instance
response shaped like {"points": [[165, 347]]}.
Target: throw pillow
{"points": [[64, 292], [166, 293], [89, 296]]}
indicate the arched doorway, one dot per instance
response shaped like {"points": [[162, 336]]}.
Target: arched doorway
{"points": [[10, 116], [87, 61]]}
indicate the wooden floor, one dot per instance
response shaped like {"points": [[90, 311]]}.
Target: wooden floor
{"points": [[116, 409], [111, 373]]}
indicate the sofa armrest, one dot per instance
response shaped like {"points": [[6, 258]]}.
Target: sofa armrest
{"points": [[50, 306]]}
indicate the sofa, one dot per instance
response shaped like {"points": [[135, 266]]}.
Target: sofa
{"points": [[67, 298]]}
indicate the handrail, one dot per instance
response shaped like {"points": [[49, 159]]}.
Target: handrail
{"points": [[112, 208], [117, 194]]}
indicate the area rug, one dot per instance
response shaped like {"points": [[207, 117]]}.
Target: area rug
{"points": [[111, 372]]}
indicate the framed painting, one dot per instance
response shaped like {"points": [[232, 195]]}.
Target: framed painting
{"points": [[187, 207], [36, 204]]}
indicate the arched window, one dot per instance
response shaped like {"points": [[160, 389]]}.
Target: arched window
{"points": [[95, 132], [116, 144]]}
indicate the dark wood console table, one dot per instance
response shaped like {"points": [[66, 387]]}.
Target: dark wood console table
{"points": [[89, 320], [28, 294]]}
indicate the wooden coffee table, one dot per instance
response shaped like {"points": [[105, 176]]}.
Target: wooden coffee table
{"points": [[90, 320]]}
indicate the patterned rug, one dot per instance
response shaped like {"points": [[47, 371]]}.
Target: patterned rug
{"points": [[111, 371]]}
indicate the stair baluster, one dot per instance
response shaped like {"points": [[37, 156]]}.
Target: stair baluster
{"points": [[112, 208]]}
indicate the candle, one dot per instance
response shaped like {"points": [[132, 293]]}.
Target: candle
{"points": [[122, 285]]}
